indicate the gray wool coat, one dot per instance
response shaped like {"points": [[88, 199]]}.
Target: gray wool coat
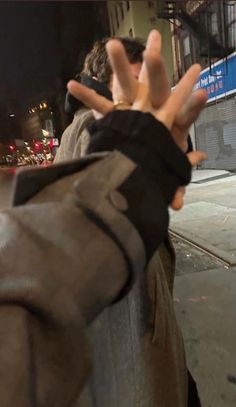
{"points": [[63, 339], [135, 339]]}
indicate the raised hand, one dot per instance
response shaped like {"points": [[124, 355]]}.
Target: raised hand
{"points": [[151, 93]]}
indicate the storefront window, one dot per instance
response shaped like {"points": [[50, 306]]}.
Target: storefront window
{"points": [[214, 29], [187, 52]]}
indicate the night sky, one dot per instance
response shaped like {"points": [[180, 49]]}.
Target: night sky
{"points": [[42, 46], [38, 42], [30, 55]]}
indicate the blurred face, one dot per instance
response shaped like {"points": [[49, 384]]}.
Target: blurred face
{"points": [[135, 69]]}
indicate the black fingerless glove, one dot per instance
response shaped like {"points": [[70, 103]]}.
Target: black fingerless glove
{"points": [[162, 167]]}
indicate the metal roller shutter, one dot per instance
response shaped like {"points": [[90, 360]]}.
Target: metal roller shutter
{"points": [[215, 133]]}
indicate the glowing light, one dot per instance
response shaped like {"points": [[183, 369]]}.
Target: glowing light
{"points": [[51, 143]]}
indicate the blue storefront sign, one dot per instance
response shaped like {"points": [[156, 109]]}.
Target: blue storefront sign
{"points": [[220, 80]]}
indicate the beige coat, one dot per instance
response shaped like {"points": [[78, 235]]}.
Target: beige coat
{"points": [[75, 138]]}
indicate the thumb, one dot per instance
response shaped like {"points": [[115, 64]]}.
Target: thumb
{"points": [[178, 200], [196, 156]]}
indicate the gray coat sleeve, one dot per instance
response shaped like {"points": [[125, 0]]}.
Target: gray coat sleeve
{"points": [[55, 280]]}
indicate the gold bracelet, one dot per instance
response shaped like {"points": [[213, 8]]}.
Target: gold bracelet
{"points": [[118, 103]]}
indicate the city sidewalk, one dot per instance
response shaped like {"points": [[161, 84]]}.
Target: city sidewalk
{"points": [[209, 216], [205, 288]]}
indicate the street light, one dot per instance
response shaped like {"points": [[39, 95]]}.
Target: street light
{"points": [[45, 132]]}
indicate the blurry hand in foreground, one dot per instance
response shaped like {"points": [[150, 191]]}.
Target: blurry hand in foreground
{"points": [[151, 92]]}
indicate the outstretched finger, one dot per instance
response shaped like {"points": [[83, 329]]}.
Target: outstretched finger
{"points": [[196, 157], [89, 97], [157, 77], [191, 110], [178, 200], [154, 41], [153, 44], [179, 96], [120, 65]]}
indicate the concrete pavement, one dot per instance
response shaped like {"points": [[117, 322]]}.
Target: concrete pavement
{"points": [[205, 288], [206, 307], [209, 215]]}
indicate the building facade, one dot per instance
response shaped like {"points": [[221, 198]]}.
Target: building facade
{"points": [[210, 40], [137, 19], [202, 31]]}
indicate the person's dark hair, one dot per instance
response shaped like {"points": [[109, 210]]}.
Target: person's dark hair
{"points": [[97, 64]]}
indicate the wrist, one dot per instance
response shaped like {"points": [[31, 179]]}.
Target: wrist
{"points": [[140, 136]]}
